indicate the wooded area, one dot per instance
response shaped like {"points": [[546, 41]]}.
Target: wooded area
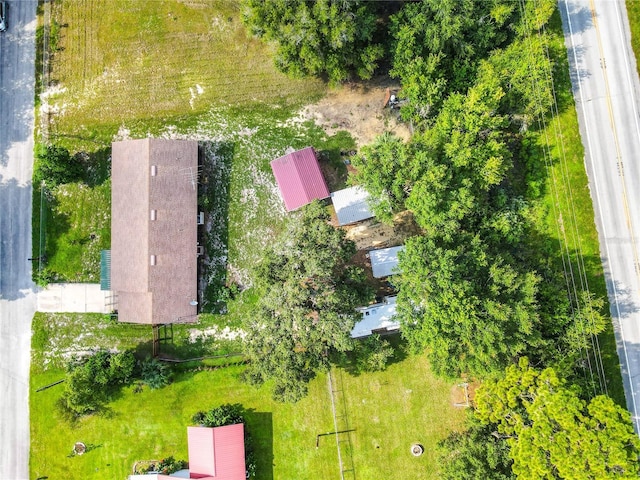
{"points": [[482, 289]]}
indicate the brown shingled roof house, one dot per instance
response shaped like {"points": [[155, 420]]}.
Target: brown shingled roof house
{"points": [[154, 230]]}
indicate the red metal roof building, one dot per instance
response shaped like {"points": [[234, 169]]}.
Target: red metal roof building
{"points": [[217, 453], [299, 178]]}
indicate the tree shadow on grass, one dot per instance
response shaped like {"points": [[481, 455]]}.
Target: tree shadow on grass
{"points": [[350, 361], [333, 153], [97, 166], [260, 428], [215, 160]]}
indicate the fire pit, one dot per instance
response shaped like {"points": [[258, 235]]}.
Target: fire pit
{"points": [[417, 449], [79, 448]]}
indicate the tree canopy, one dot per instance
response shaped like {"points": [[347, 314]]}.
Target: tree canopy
{"points": [[475, 454], [90, 383], [553, 433], [437, 45], [55, 165], [307, 306], [387, 170], [318, 37], [471, 309]]}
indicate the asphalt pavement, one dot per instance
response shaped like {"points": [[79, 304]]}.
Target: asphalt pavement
{"points": [[17, 293], [607, 90]]}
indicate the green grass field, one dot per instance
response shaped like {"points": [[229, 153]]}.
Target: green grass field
{"points": [[388, 411], [132, 61], [633, 13]]}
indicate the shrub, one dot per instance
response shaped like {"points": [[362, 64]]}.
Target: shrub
{"points": [[170, 465], [226, 414], [55, 166], [155, 373], [89, 383], [229, 414], [371, 354]]}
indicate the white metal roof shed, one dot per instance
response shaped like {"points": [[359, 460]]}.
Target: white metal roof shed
{"points": [[376, 318], [384, 262], [351, 205]]}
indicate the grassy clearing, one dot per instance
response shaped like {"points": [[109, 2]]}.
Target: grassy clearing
{"points": [[633, 13], [567, 202], [59, 336], [133, 61], [388, 410], [77, 228]]}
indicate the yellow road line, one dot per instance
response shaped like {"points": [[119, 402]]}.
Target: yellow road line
{"points": [[625, 202]]}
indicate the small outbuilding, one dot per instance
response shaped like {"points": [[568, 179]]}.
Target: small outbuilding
{"points": [[378, 318], [214, 454], [217, 453], [384, 262], [299, 178], [351, 205]]}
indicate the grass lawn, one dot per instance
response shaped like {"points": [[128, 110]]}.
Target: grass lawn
{"points": [[77, 227], [388, 411], [633, 13], [569, 210], [135, 61]]}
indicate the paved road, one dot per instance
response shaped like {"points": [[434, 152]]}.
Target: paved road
{"points": [[17, 297], [607, 93]]}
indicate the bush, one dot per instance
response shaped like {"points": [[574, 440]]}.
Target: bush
{"points": [[55, 166], [226, 414], [155, 373], [229, 414], [89, 383], [371, 354], [170, 465]]}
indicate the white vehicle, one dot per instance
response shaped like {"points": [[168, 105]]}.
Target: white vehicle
{"points": [[3, 16]]}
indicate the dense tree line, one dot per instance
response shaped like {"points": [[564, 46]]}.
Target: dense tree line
{"points": [[332, 38]]}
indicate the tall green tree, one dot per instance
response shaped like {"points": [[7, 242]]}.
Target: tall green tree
{"points": [[463, 156], [437, 45], [553, 433], [387, 170], [307, 306], [471, 309], [318, 37]]}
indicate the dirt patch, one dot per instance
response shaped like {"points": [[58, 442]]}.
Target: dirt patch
{"points": [[464, 393], [358, 109], [371, 234]]}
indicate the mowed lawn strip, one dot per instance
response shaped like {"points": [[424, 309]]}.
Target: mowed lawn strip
{"points": [[570, 213], [132, 60], [392, 410]]}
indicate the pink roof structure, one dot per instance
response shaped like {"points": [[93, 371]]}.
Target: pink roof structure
{"points": [[217, 453], [299, 178]]}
